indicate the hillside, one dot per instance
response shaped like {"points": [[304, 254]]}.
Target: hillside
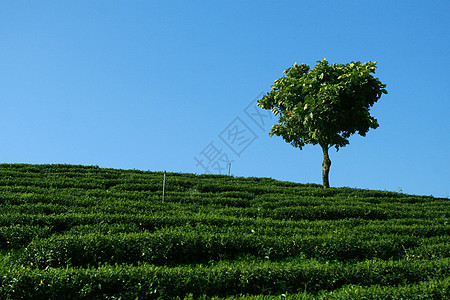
{"points": [[79, 232]]}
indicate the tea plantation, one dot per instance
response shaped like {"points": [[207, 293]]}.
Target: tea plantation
{"points": [[83, 232]]}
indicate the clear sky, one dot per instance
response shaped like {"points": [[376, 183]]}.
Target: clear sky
{"points": [[171, 85]]}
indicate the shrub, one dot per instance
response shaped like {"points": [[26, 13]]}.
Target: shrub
{"points": [[18, 236]]}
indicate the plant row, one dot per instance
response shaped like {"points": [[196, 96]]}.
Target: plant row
{"points": [[219, 207], [222, 279], [17, 230], [430, 289], [193, 245]]}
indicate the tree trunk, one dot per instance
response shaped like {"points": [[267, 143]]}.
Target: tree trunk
{"points": [[325, 166]]}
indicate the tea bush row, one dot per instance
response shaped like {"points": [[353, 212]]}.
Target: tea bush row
{"points": [[330, 212], [334, 212], [212, 216], [222, 279], [17, 194], [430, 289], [185, 245], [18, 236], [65, 222]]}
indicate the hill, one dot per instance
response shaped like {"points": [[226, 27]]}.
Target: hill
{"points": [[80, 232]]}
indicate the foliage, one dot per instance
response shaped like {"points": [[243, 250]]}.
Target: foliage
{"points": [[89, 233], [324, 105]]}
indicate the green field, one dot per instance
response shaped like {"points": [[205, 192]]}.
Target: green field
{"points": [[79, 232]]}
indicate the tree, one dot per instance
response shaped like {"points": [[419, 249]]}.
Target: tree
{"points": [[324, 106]]}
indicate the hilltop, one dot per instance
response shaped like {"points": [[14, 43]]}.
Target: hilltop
{"points": [[82, 232]]}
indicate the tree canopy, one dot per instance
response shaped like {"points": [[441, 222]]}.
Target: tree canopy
{"points": [[324, 105]]}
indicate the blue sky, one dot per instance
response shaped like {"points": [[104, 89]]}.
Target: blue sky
{"points": [[164, 85]]}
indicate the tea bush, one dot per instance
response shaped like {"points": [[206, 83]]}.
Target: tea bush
{"points": [[84, 232], [222, 279]]}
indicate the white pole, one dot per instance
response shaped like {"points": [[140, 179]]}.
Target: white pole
{"points": [[229, 169], [164, 185]]}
